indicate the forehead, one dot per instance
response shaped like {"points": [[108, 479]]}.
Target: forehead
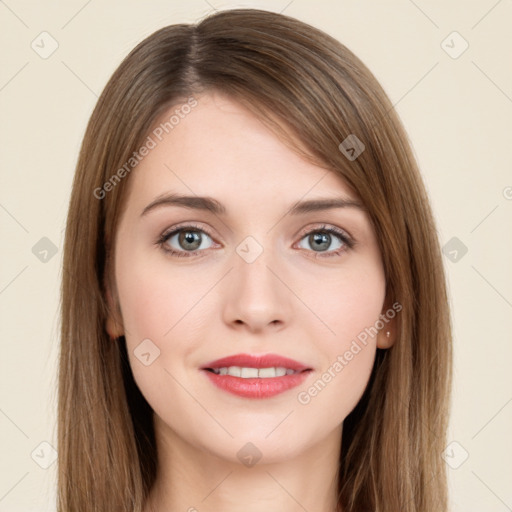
{"points": [[219, 148]]}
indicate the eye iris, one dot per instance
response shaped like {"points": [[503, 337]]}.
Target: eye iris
{"points": [[189, 237], [321, 240]]}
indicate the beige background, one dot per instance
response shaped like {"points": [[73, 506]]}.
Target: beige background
{"points": [[458, 112]]}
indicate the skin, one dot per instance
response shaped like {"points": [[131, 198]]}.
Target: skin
{"points": [[202, 307]]}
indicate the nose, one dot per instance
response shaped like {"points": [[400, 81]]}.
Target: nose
{"points": [[255, 296]]}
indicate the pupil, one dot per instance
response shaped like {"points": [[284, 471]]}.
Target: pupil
{"points": [[321, 238], [189, 237]]}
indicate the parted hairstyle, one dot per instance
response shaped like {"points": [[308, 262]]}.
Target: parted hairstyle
{"points": [[308, 88]]}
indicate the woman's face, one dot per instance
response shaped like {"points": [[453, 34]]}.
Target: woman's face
{"points": [[259, 276]]}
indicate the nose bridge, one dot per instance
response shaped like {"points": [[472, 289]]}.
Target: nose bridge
{"points": [[256, 296]]}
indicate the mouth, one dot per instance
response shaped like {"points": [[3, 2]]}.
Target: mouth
{"points": [[252, 376]]}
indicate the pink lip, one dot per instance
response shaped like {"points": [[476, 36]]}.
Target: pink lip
{"points": [[261, 361], [257, 387]]}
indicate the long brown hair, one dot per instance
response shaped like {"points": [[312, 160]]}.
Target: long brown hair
{"points": [[307, 87]]}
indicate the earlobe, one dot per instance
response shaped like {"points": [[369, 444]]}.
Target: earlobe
{"points": [[113, 328], [386, 337]]}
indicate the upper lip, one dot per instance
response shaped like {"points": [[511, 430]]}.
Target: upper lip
{"points": [[256, 361]]}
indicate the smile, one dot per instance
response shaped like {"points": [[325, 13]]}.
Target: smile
{"points": [[256, 376]]}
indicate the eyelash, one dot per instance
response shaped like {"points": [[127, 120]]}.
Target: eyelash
{"points": [[348, 242]]}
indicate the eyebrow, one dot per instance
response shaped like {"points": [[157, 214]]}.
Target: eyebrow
{"points": [[212, 205]]}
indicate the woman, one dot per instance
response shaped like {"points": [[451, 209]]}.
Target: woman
{"points": [[254, 309]]}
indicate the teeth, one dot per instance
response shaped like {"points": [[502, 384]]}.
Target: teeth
{"points": [[248, 373]]}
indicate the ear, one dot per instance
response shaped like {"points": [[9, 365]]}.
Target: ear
{"points": [[387, 335], [114, 324]]}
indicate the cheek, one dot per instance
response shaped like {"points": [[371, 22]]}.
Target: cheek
{"points": [[160, 307], [347, 310], [345, 302], [155, 299]]}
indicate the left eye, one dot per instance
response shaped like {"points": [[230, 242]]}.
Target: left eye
{"points": [[321, 240]]}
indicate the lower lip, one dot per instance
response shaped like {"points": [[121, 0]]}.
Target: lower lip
{"points": [[257, 387]]}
